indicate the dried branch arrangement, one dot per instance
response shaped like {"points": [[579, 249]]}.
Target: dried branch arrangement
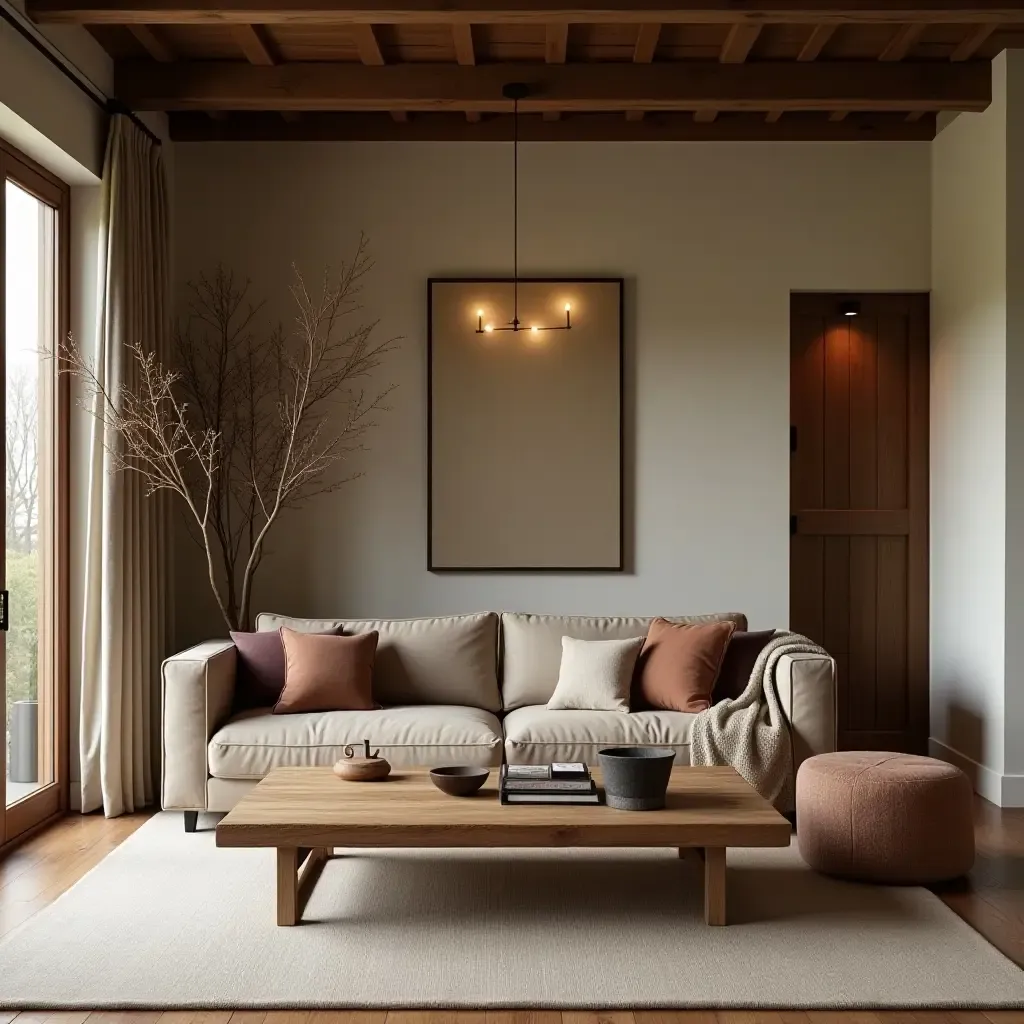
{"points": [[247, 424]]}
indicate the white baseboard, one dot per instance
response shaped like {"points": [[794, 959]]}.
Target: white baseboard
{"points": [[1001, 790]]}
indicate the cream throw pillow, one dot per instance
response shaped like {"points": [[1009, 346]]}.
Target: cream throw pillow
{"points": [[595, 675]]}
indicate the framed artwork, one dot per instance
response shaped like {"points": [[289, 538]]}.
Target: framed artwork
{"points": [[525, 460]]}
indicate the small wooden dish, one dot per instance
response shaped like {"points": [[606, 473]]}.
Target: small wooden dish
{"points": [[459, 780], [369, 768]]}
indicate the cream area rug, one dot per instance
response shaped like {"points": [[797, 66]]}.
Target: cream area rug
{"points": [[167, 920]]}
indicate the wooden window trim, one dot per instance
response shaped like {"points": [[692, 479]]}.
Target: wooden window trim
{"points": [[52, 799]]}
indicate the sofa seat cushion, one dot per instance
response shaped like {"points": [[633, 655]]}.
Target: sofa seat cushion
{"points": [[537, 735], [254, 742]]}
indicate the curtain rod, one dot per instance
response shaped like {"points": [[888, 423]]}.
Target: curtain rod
{"points": [[110, 105]]}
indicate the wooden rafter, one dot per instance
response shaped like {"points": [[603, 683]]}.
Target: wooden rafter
{"points": [[902, 42], [365, 38], [634, 115], [399, 116], [154, 43], [816, 42], [341, 12], [582, 127], [704, 116], [772, 116], [255, 43], [219, 85], [838, 115], [646, 43], [465, 52], [969, 47], [739, 43], [556, 43], [473, 116]]}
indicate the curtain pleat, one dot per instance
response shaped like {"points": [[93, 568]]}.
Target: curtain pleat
{"points": [[124, 628]]}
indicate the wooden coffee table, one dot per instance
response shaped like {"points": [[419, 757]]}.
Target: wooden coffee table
{"points": [[306, 812]]}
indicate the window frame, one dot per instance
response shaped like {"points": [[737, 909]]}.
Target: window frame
{"points": [[52, 799]]}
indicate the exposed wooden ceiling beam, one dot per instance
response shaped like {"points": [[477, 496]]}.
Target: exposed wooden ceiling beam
{"points": [[473, 116], [365, 38], [772, 116], [255, 44], [582, 127], [904, 40], [154, 44], [399, 116], [634, 115], [838, 115], [646, 43], [220, 85], [704, 116], [739, 43], [556, 43], [465, 52], [342, 12], [816, 42], [969, 47]]}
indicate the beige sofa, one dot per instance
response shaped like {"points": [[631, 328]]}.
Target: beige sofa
{"points": [[458, 689]]}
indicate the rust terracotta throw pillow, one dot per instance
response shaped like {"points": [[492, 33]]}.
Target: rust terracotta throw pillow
{"points": [[679, 663], [327, 673]]}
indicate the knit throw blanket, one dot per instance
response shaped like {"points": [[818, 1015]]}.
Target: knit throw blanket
{"points": [[751, 732]]}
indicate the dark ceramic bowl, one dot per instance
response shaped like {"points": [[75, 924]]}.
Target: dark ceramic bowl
{"points": [[636, 778], [459, 779]]}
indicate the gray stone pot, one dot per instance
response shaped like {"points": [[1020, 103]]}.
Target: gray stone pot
{"points": [[636, 778]]}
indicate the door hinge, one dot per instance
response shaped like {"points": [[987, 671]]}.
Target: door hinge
{"points": [[792, 525], [792, 437], [5, 606]]}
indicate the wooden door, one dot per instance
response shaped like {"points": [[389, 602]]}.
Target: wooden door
{"points": [[859, 506]]}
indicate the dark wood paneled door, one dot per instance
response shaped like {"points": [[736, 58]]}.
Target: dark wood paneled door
{"points": [[859, 506]]}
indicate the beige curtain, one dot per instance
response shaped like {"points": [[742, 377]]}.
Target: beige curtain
{"points": [[124, 631]]}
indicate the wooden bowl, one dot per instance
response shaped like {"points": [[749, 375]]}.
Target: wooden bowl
{"points": [[459, 779]]}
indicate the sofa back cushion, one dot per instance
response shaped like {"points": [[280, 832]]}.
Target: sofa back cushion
{"points": [[532, 647], [451, 659]]}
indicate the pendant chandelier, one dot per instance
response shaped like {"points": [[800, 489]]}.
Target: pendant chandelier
{"points": [[515, 91]]}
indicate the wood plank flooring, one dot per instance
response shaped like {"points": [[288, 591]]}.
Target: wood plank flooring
{"points": [[991, 899]]}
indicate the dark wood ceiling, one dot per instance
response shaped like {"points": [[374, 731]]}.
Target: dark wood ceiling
{"points": [[801, 69]]}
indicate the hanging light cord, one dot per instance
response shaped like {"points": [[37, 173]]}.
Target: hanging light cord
{"points": [[515, 212]]}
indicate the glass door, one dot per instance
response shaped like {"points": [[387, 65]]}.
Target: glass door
{"points": [[33, 627]]}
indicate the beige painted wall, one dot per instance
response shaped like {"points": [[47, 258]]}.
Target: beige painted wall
{"points": [[977, 440], [710, 238]]}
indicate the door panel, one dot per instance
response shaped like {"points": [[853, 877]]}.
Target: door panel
{"points": [[859, 499], [34, 222]]}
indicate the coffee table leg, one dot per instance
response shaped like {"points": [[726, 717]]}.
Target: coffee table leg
{"points": [[297, 873], [287, 886], [714, 885]]}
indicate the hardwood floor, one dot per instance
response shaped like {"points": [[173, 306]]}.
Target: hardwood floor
{"points": [[991, 899]]}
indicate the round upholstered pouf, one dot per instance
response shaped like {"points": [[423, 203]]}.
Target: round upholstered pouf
{"points": [[882, 817]]}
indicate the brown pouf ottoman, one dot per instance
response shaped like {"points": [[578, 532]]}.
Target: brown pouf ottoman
{"points": [[881, 817]]}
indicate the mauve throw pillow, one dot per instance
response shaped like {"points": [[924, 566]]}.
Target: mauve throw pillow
{"points": [[738, 663], [327, 673], [260, 676], [679, 663]]}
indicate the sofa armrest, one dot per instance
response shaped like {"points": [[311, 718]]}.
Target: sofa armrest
{"points": [[198, 686], [807, 688]]}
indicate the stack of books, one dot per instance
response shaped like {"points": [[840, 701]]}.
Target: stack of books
{"points": [[558, 783]]}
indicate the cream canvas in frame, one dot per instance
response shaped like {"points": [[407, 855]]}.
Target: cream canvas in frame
{"points": [[525, 428]]}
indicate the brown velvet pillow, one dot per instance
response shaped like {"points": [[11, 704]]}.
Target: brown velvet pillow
{"points": [[738, 663], [327, 673], [260, 677], [679, 664]]}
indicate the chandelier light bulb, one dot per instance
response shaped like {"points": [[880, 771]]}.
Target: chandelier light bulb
{"points": [[489, 327], [534, 329], [567, 307], [479, 312]]}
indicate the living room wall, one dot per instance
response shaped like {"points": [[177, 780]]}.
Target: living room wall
{"points": [[711, 239]]}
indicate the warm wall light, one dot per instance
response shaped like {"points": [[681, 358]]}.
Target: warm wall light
{"points": [[849, 308]]}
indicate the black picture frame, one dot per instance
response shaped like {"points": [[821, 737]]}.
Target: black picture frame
{"points": [[620, 565]]}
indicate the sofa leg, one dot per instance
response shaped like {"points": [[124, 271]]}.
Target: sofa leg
{"points": [[191, 820]]}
